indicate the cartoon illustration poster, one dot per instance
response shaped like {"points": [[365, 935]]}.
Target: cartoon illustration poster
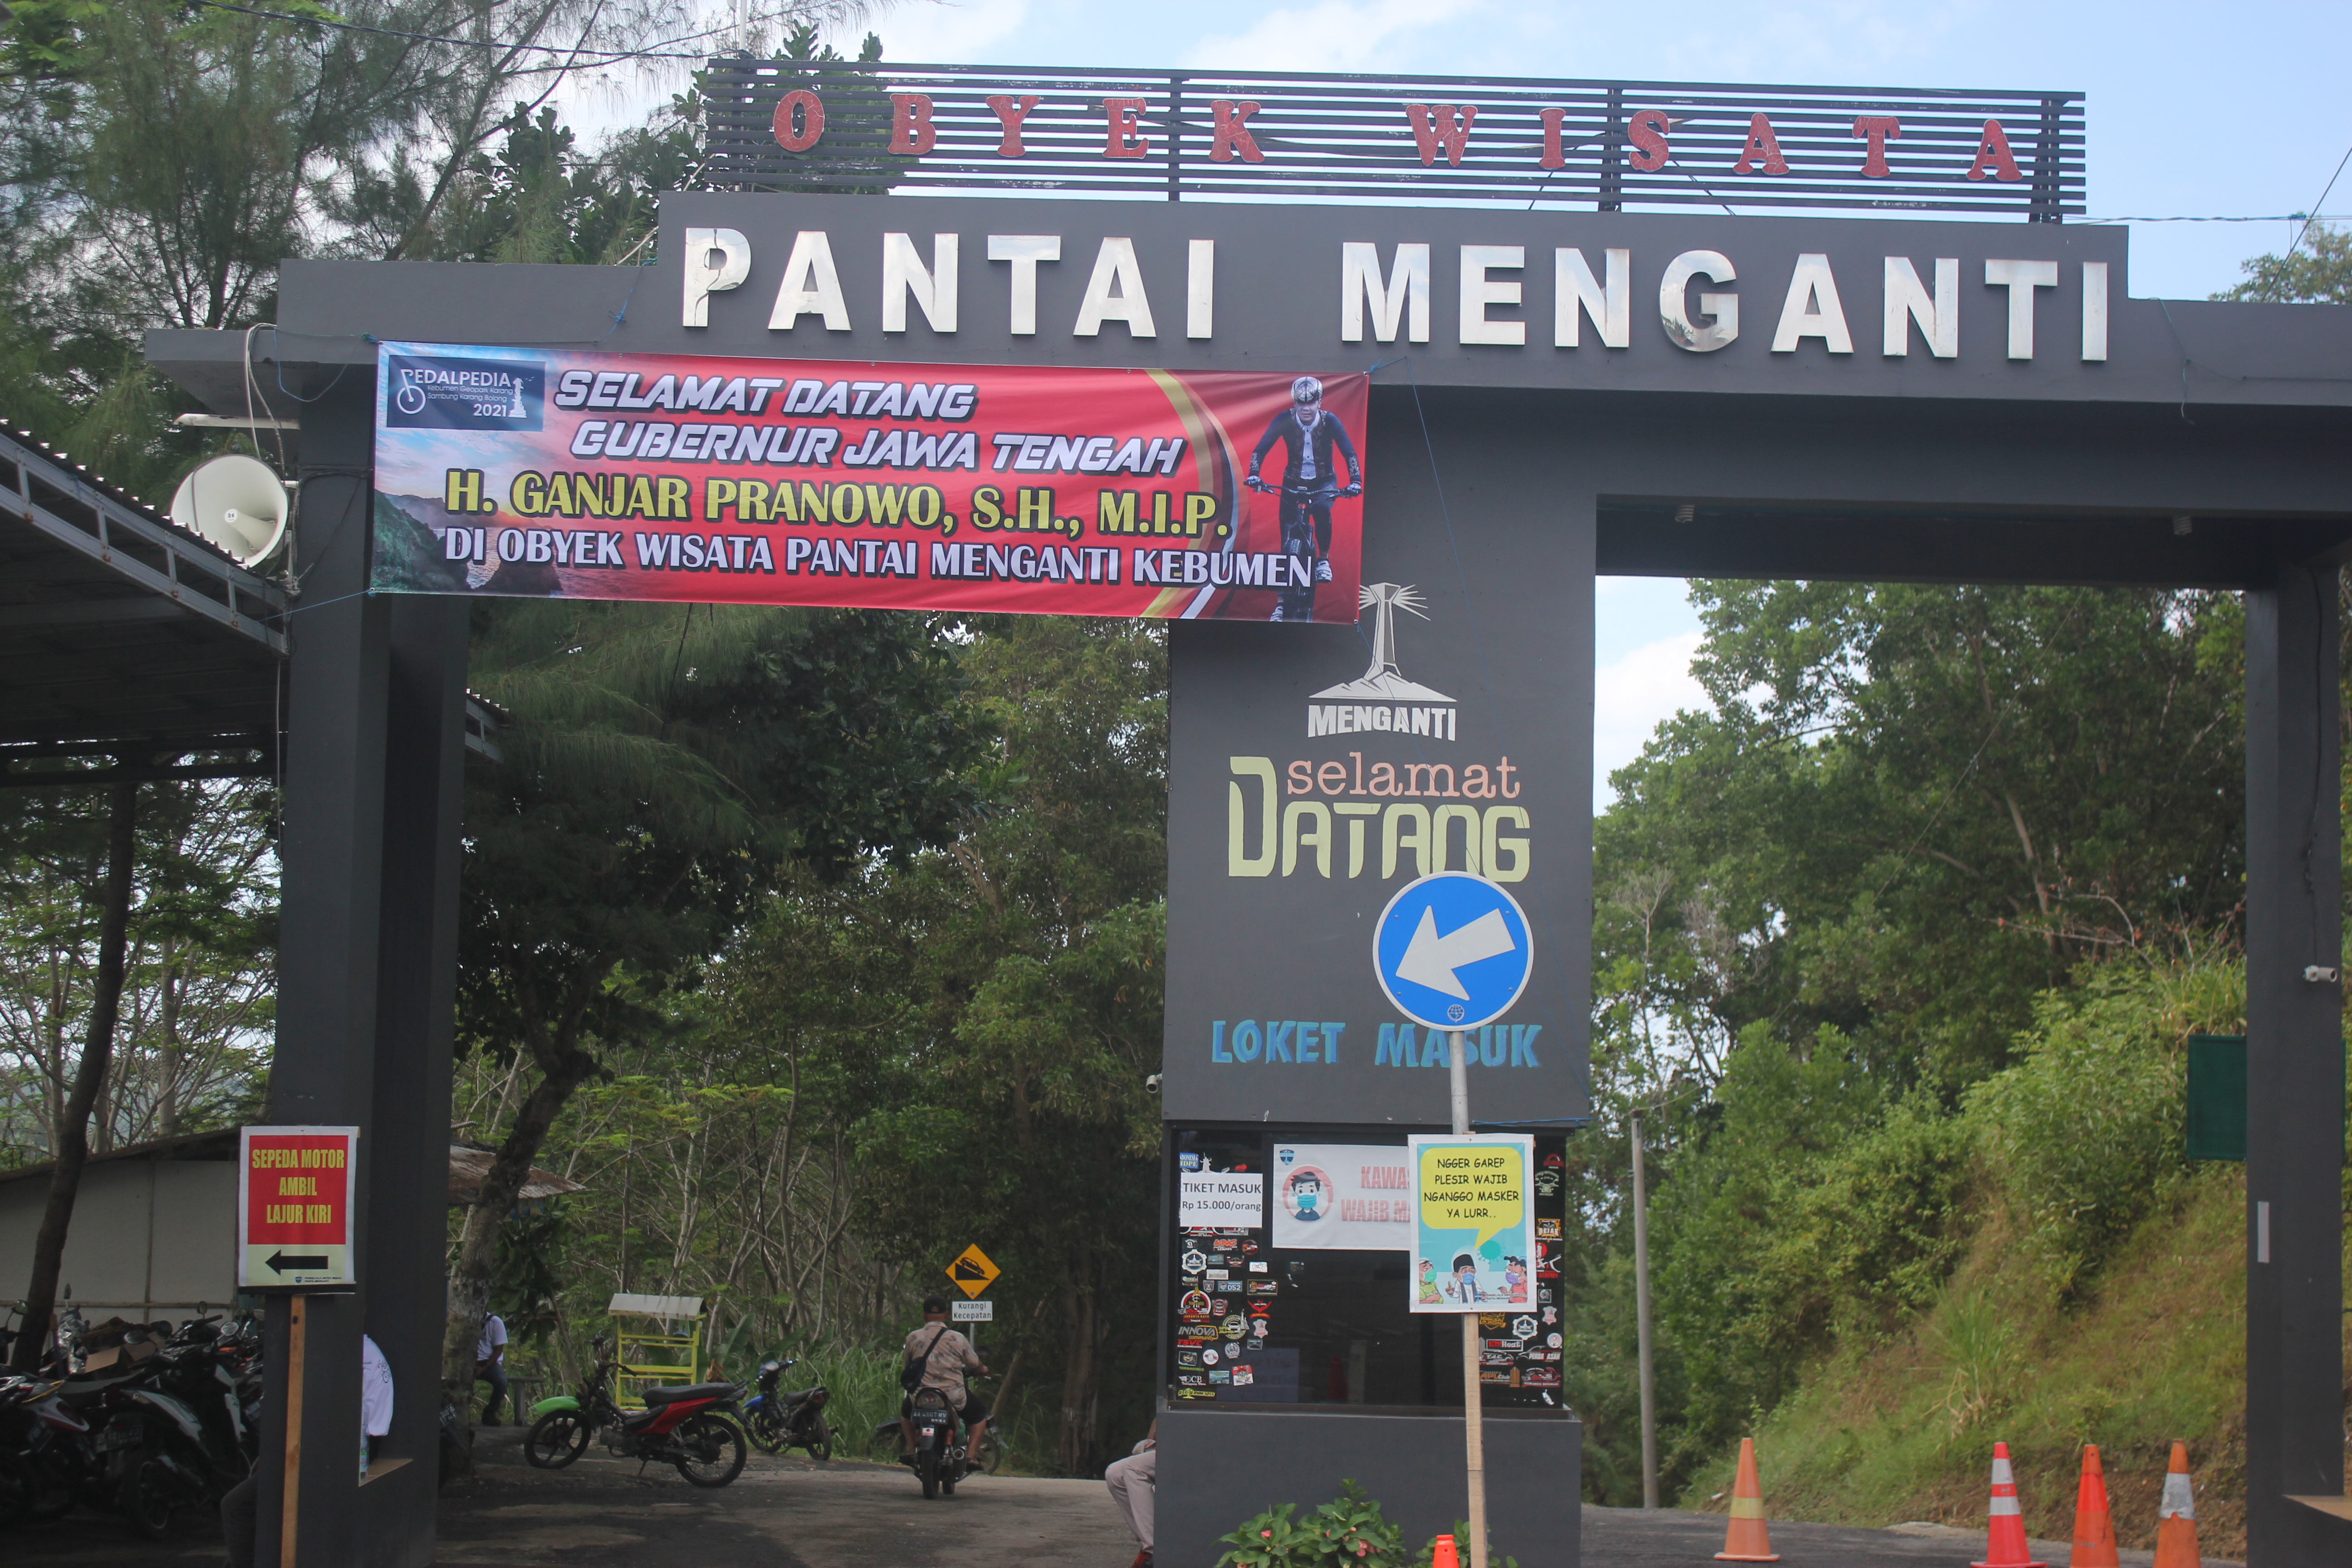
{"points": [[1074, 491], [1473, 1234], [1342, 1196]]}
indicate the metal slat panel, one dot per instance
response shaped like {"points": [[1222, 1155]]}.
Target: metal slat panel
{"points": [[1350, 136]]}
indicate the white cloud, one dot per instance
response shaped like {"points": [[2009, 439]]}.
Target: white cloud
{"points": [[1632, 696], [950, 32], [1331, 35]]}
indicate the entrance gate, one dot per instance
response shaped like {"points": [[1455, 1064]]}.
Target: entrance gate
{"points": [[1557, 394]]}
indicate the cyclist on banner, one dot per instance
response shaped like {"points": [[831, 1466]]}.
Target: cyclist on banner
{"points": [[1310, 483]]}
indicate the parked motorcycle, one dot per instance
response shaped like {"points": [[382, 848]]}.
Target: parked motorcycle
{"points": [[168, 1428], [792, 1418], [687, 1428], [46, 1457]]}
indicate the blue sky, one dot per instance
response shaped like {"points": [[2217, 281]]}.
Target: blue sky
{"points": [[2194, 111]]}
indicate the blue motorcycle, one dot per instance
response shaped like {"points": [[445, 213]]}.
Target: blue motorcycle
{"points": [[788, 1418]]}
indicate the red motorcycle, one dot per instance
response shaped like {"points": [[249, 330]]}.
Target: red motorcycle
{"points": [[689, 1428]]}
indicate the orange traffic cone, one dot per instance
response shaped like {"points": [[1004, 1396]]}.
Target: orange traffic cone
{"points": [[2095, 1526], [2175, 1517], [1747, 1540], [1443, 1555], [2005, 1531]]}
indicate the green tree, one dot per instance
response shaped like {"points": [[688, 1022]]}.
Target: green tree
{"points": [[663, 767], [985, 1016], [1831, 903], [2317, 270], [1914, 809]]}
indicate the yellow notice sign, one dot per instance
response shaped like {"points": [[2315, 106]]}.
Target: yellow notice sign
{"points": [[1473, 1233], [972, 1272]]}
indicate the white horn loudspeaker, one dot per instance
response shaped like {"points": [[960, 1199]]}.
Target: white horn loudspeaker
{"points": [[237, 503]]}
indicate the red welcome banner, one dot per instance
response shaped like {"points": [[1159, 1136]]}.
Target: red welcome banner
{"points": [[978, 487]]}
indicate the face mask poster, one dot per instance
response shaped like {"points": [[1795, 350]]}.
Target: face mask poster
{"points": [[1472, 1228], [958, 487]]}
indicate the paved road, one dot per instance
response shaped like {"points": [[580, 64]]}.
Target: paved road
{"points": [[792, 1513], [786, 1512], [1629, 1537]]}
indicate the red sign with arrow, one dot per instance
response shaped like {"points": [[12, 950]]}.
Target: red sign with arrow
{"points": [[294, 1203]]}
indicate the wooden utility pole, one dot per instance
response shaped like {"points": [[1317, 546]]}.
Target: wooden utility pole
{"points": [[1473, 1396]]}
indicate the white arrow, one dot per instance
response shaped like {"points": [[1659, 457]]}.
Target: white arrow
{"points": [[1431, 959]]}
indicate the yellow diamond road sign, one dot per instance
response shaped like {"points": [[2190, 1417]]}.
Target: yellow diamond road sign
{"points": [[972, 1272]]}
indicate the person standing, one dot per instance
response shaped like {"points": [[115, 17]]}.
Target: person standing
{"points": [[490, 1364], [240, 1506], [1134, 1486]]}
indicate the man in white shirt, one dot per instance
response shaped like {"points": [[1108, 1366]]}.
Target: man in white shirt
{"points": [[490, 1364], [375, 1399], [241, 1504]]}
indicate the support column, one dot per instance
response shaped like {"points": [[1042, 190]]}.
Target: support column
{"points": [[2294, 1071], [330, 858], [405, 1288]]}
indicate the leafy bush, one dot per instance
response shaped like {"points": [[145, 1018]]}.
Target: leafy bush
{"points": [[1346, 1533], [2086, 1130]]}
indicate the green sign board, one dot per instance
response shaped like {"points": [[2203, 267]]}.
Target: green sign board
{"points": [[2217, 1097]]}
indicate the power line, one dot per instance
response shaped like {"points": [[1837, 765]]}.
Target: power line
{"points": [[2322, 199], [2306, 218], [605, 56]]}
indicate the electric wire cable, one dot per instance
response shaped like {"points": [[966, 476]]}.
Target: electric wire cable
{"points": [[602, 56]]}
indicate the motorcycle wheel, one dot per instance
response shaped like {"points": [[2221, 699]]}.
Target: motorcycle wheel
{"points": [[711, 1452], [52, 1497], [556, 1438], [816, 1437], [768, 1435], [146, 1502], [991, 1452], [16, 1489], [927, 1470]]}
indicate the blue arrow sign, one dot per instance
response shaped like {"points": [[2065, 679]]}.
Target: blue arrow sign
{"points": [[1452, 951]]}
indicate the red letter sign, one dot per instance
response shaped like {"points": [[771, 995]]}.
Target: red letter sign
{"points": [[1233, 133], [1121, 139], [1648, 129], [811, 118], [294, 1207], [1877, 128], [1448, 128], [1762, 147], [1009, 114], [1992, 155], [913, 134]]}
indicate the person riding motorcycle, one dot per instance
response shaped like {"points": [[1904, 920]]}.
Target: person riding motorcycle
{"points": [[945, 1357], [1311, 481]]}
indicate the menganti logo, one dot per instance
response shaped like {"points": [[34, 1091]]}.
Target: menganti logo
{"points": [[1381, 699]]}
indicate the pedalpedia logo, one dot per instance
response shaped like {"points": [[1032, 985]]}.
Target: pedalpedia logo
{"points": [[451, 393], [1382, 700]]}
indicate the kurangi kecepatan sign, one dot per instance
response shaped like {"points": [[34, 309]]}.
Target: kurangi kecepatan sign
{"points": [[1037, 491]]}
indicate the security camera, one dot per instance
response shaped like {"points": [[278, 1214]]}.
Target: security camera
{"points": [[1151, 1083]]}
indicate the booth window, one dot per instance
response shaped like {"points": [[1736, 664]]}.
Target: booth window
{"points": [[1294, 1299]]}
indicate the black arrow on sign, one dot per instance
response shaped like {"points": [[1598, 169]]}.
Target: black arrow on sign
{"points": [[280, 1263]]}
